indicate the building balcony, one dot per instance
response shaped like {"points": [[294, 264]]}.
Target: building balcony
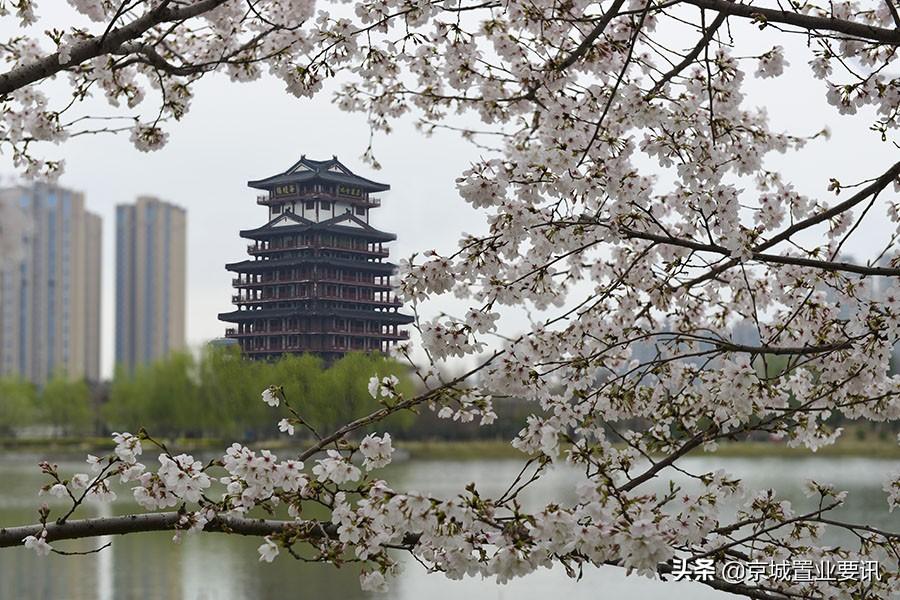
{"points": [[370, 202], [240, 283], [274, 265], [312, 348], [280, 332], [255, 250], [391, 303]]}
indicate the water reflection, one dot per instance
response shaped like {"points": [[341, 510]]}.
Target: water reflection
{"points": [[105, 564], [218, 567]]}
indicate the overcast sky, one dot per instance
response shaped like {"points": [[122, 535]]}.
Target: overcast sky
{"points": [[239, 132]]}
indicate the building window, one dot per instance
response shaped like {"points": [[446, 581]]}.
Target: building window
{"points": [[326, 205], [276, 210], [360, 210], [310, 205]]}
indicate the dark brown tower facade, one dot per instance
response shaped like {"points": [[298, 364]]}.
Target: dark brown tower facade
{"points": [[317, 280]]}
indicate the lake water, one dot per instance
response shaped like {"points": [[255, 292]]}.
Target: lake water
{"points": [[221, 567]]}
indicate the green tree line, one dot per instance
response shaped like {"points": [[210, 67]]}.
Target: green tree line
{"points": [[214, 395]]}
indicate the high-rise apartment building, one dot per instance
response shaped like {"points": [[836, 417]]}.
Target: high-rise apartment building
{"points": [[50, 287], [150, 281]]}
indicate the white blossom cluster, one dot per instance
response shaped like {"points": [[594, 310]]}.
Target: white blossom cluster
{"points": [[469, 535], [253, 477], [377, 451]]}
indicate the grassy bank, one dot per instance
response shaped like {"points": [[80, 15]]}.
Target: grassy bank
{"points": [[844, 448], [499, 449]]}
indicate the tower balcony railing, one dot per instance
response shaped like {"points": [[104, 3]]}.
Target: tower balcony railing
{"points": [[369, 202], [312, 346], [321, 348], [308, 278], [350, 280], [268, 331], [255, 250], [238, 299]]}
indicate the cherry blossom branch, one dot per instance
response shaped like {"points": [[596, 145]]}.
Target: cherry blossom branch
{"points": [[243, 526], [382, 413], [786, 17], [881, 182], [827, 265], [591, 37], [83, 51], [894, 14], [873, 188], [138, 523], [690, 56]]}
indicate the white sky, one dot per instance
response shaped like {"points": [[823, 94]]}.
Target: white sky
{"points": [[238, 132]]}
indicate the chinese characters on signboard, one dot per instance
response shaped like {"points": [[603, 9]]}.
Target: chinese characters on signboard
{"points": [[285, 190], [344, 190]]}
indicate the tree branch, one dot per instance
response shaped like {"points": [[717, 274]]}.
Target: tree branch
{"points": [[588, 41], [757, 13], [164, 521], [893, 9], [690, 57], [873, 188], [826, 265], [380, 414], [83, 51]]}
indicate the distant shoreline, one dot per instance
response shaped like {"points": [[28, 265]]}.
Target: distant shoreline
{"points": [[456, 450]]}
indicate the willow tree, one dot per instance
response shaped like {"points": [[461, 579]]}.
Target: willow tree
{"points": [[630, 196]]}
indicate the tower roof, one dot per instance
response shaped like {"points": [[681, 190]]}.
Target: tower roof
{"points": [[308, 170], [253, 266], [288, 222], [236, 316]]}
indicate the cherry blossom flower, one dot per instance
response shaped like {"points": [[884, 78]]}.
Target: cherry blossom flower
{"points": [[772, 63], [270, 396], [892, 488], [95, 463], [376, 450], [385, 387], [268, 551], [372, 581], [128, 448], [335, 468], [38, 543], [147, 138]]}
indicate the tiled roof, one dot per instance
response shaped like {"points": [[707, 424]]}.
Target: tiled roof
{"points": [[236, 316], [356, 227], [330, 171], [247, 266]]}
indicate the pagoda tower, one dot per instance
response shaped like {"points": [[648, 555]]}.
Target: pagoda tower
{"points": [[317, 280]]}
